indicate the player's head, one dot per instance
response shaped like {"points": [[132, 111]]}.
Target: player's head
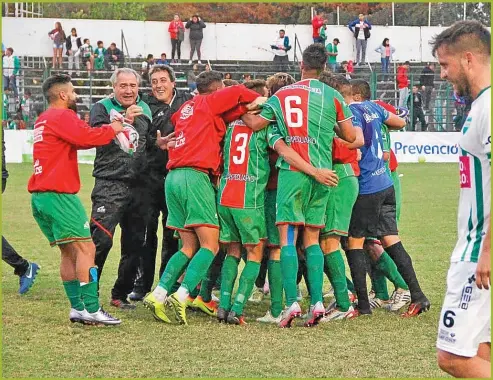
{"points": [[230, 82], [282, 32], [259, 86], [162, 82], [209, 82], [59, 91], [360, 90], [314, 60], [415, 89], [125, 84], [338, 82], [464, 53], [277, 81]]}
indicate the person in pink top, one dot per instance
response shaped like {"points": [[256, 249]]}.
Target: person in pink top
{"points": [[386, 52], [317, 22], [176, 31]]}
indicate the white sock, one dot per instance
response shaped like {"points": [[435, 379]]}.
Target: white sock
{"points": [[182, 293], [160, 294]]}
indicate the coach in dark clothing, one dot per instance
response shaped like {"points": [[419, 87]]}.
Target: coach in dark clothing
{"points": [[427, 82], [195, 24], [120, 194], [164, 101]]}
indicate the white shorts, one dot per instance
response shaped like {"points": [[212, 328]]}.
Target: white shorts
{"points": [[466, 312]]}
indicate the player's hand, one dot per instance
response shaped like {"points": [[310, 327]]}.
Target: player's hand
{"points": [[255, 112], [358, 155], [423, 88], [256, 103], [386, 156], [483, 270], [326, 177], [132, 112], [117, 126], [166, 142]]}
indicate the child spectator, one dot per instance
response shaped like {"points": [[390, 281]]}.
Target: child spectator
{"points": [[162, 60], [87, 54], [99, 56]]}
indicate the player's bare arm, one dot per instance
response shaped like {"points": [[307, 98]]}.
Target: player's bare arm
{"points": [[117, 126], [483, 270], [255, 122], [346, 130], [257, 103], [357, 143], [395, 122], [324, 176]]}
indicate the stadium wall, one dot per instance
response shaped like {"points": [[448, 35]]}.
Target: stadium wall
{"points": [[408, 147], [246, 42]]}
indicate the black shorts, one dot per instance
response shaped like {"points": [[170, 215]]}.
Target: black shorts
{"points": [[374, 215]]}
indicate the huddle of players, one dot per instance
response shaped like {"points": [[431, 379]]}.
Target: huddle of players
{"points": [[320, 191]]}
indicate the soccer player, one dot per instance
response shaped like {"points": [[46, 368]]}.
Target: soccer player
{"points": [[121, 190], [464, 333], [339, 208], [306, 114], [54, 185], [164, 101], [26, 271], [190, 195], [374, 211]]}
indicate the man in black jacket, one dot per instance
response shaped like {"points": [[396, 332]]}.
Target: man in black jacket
{"points": [[427, 82], [164, 101], [120, 194], [417, 109], [113, 57]]}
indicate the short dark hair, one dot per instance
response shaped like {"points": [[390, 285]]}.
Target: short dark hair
{"points": [[149, 56], [206, 78], [11, 50], [463, 36], [51, 82], [113, 44], [315, 57], [336, 81], [230, 82], [282, 30], [158, 68], [256, 85], [336, 39], [27, 92], [100, 42], [163, 54], [361, 87], [279, 80], [407, 63], [86, 39]]}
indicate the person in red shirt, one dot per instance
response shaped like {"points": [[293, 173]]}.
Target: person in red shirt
{"points": [[190, 195], [176, 31], [317, 22], [403, 83], [58, 134]]}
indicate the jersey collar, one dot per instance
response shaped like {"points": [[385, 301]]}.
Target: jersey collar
{"points": [[481, 92]]}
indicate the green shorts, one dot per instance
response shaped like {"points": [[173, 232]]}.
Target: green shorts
{"points": [[270, 219], [191, 200], [301, 200], [340, 207], [241, 225], [61, 217], [398, 193]]}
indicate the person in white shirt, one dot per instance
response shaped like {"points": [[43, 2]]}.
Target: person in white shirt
{"points": [[361, 31], [73, 44], [464, 333], [280, 48]]}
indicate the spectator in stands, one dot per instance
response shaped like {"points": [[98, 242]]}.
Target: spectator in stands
{"points": [[361, 30], [417, 108], [403, 83], [11, 67], [195, 24], [386, 52], [230, 82], [87, 55], [113, 57], [162, 60], [73, 44], [332, 54], [176, 31], [27, 109], [318, 22], [99, 56], [228, 76], [207, 67], [192, 78], [280, 47], [343, 69], [146, 67], [246, 78], [86, 117], [427, 83], [58, 37]]}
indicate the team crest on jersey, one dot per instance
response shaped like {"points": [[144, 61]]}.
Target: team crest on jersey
{"points": [[186, 112]]}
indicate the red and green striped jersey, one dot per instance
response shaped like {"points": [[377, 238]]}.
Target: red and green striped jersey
{"points": [[246, 167], [306, 113]]}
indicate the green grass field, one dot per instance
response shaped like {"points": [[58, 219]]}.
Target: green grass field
{"points": [[39, 341]]}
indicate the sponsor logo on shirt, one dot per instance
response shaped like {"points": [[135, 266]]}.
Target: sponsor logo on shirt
{"points": [[446, 336], [38, 169], [160, 114], [301, 140], [303, 87], [101, 209], [180, 140], [38, 132], [370, 116], [186, 112], [379, 171], [241, 177], [86, 225], [465, 172]]}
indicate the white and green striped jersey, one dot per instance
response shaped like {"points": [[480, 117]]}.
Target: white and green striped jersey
{"points": [[475, 180]]}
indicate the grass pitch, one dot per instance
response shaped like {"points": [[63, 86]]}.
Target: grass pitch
{"points": [[39, 341]]}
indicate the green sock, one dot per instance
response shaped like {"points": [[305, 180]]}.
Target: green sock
{"points": [[389, 269], [289, 270], [337, 277], [210, 279], [175, 267], [175, 287], [229, 272], [89, 291], [315, 272], [379, 283], [72, 289], [350, 285], [275, 287], [247, 281], [197, 269]]}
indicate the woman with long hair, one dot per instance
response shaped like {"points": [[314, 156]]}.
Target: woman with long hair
{"points": [[386, 52], [58, 37]]}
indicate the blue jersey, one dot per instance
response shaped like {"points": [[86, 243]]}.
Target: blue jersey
{"points": [[370, 117]]}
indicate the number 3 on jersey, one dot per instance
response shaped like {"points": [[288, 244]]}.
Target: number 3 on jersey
{"points": [[241, 139], [293, 112]]}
